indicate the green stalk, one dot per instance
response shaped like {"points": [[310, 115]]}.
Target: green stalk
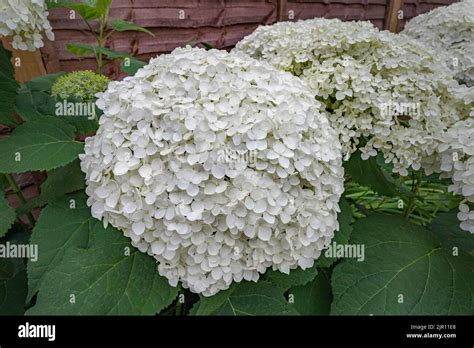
{"points": [[16, 189], [101, 40], [415, 188]]}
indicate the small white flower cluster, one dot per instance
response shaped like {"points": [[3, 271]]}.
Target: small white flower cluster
{"points": [[156, 168], [25, 20], [457, 162], [450, 31], [383, 92]]}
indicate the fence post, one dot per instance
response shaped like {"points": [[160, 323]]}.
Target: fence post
{"points": [[391, 15], [281, 14], [27, 64]]}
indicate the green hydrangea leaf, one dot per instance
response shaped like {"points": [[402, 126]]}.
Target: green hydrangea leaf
{"points": [[60, 181], [208, 305], [131, 65], [8, 88], [313, 298], [34, 102], [65, 223], [86, 49], [13, 286], [109, 277], [446, 227], [7, 216], [39, 145], [407, 269], [120, 25], [368, 173], [246, 298], [296, 277], [88, 12], [13, 279]]}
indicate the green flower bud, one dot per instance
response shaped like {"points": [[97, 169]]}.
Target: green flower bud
{"points": [[82, 85]]}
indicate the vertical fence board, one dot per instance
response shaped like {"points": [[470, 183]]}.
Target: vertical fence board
{"points": [[281, 10], [30, 63], [391, 16]]}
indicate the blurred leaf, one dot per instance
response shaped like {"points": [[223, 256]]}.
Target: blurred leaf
{"points": [[13, 279], [8, 88], [120, 25], [7, 215], [82, 49], [101, 5], [131, 65], [87, 11]]}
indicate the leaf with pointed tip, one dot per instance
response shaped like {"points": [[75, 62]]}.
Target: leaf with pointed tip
{"points": [[39, 145], [120, 25]]}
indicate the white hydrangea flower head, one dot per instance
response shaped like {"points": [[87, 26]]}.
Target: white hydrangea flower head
{"points": [[25, 20], [217, 165], [450, 31], [457, 162], [383, 92]]}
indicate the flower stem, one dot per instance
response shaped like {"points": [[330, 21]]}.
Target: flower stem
{"points": [[416, 186], [101, 40], [16, 190]]}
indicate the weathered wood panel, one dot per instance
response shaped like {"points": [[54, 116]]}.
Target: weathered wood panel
{"points": [[222, 23]]}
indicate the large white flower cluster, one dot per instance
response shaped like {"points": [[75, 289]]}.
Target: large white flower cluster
{"points": [[457, 163], [217, 165], [450, 31], [25, 20], [383, 92]]}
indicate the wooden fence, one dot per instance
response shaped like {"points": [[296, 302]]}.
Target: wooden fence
{"points": [[222, 23]]}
